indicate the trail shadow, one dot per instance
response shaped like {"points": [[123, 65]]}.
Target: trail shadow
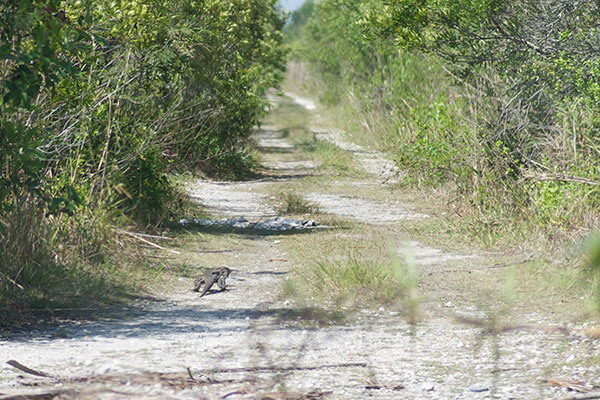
{"points": [[247, 232], [270, 132], [169, 319], [215, 291], [275, 273], [276, 149], [280, 175]]}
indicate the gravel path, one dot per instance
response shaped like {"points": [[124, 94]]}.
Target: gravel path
{"points": [[367, 211], [383, 171], [232, 198], [249, 341]]}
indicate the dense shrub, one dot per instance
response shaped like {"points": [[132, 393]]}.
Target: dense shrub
{"points": [[100, 99], [499, 98]]}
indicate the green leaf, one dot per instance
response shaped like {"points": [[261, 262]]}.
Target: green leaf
{"points": [[72, 195]]}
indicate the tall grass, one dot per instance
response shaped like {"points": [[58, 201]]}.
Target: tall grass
{"points": [[63, 263], [361, 280], [353, 276]]}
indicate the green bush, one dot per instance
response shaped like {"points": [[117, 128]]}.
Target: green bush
{"points": [[100, 100], [499, 99]]}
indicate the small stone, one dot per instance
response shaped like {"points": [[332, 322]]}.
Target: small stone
{"points": [[570, 358], [478, 388], [428, 387], [105, 369]]}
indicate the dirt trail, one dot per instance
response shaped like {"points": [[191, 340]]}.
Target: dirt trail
{"points": [[248, 340]]}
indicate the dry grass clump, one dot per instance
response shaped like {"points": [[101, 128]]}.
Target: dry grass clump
{"points": [[62, 262], [291, 203], [354, 275]]}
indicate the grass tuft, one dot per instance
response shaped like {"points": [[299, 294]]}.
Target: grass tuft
{"points": [[333, 159], [358, 280], [291, 203]]}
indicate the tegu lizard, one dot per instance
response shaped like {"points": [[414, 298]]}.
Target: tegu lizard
{"points": [[209, 277]]}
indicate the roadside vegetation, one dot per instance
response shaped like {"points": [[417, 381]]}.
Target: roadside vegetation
{"points": [[498, 99], [495, 102], [99, 102]]}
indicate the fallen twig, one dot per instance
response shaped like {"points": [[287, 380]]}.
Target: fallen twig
{"points": [[312, 395], [138, 237], [145, 235], [375, 384], [232, 393], [495, 266], [576, 386], [21, 367], [216, 251], [510, 264], [207, 378], [280, 369], [587, 396], [190, 374], [160, 257], [558, 177], [36, 396], [181, 380], [13, 281]]}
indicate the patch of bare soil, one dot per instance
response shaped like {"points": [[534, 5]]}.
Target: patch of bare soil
{"points": [[232, 198], [306, 103], [383, 171], [363, 210], [271, 138], [427, 256], [250, 342]]}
